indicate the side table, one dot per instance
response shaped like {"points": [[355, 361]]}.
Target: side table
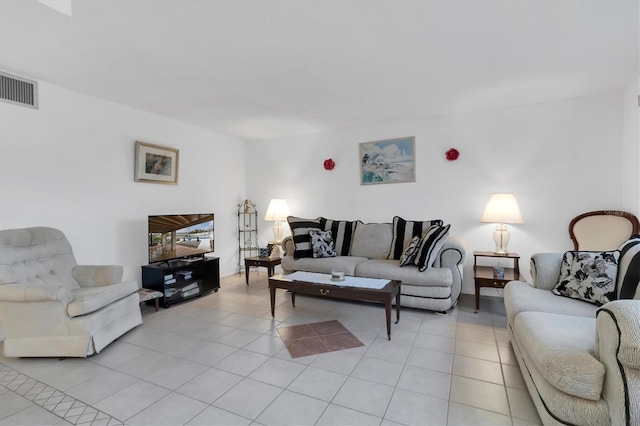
{"points": [[146, 294], [484, 276], [267, 262]]}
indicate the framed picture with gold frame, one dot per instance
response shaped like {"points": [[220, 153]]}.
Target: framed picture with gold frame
{"points": [[156, 164]]}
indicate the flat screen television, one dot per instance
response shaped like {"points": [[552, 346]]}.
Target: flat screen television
{"points": [[180, 236]]}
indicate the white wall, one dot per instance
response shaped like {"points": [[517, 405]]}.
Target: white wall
{"points": [[631, 150], [559, 159], [69, 165]]}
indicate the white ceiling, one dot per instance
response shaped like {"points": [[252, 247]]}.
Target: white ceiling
{"points": [[266, 69]]}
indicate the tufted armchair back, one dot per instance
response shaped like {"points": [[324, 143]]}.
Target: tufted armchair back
{"points": [[36, 255]]}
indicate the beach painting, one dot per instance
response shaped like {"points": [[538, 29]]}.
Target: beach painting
{"points": [[155, 163], [388, 161]]}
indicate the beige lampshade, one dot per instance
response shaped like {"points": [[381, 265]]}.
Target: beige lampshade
{"points": [[278, 210], [502, 208]]}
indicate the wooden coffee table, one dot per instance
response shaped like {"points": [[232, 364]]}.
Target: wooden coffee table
{"points": [[315, 283]]}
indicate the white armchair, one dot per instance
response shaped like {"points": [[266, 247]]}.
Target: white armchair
{"points": [[49, 306]]}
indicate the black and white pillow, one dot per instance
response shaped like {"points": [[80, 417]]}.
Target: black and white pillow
{"points": [[629, 269], [430, 244], [342, 232], [410, 252], [404, 231], [322, 243], [589, 276], [300, 228]]}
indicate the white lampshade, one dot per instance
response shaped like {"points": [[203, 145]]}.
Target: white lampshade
{"points": [[502, 208], [278, 210]]}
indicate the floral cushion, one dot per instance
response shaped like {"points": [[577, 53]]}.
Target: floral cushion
{"points": [[410, 252], [322, 243], [588, 276]]}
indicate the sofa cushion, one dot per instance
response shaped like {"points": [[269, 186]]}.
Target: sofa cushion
{"points": [[410, 252], [322, 243], [90, 299], [371, 240], [342, 232], [562, 348], [390, 269], [629, 269], [521, 297], [430, 244], [323, 264], [300, 228], [589, 276], [403, 232]]}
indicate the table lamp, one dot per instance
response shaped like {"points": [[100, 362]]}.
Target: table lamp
{"points": [[277, 211], [502, 209]]}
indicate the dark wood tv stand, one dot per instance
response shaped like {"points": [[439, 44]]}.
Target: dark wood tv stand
{"points": [[182, 279]]}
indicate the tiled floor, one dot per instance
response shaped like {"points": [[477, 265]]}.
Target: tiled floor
{"points": [[218, 360]]}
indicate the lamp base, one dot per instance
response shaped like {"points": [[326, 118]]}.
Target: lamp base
{"points": [[501, 237], [274, 250], [277, 231]]}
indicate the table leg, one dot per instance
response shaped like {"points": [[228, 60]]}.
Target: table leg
{"points": [[477, 297], [272, 291], [157, 303], [387, 310], [246, 272], [398, 307], [293, 299]]}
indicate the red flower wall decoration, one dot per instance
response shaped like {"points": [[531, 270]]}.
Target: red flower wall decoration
{"points": [[329, 164], [452, 154]]}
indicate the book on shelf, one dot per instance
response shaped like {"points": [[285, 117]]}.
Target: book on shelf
{"points": [[168, 277], [171, 281], [170, 292], [185, 275], [189, 287], [190, 292]]}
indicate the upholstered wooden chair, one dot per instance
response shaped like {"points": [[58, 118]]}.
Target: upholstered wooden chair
{"points": [[602, 229]]}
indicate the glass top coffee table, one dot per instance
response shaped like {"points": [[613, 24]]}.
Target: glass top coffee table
{"points": [[351, 288]]}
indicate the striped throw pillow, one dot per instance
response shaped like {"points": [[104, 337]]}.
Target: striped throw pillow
{"points": [[628, 282], [410, 252], [300, 228], [430, 244], [404, 231], [342, 232]]}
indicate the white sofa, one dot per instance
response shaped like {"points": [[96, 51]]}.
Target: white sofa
{"points": [[581, 362], [437, 288], [49, 306]]}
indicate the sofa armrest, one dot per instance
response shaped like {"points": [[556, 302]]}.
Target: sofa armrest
{"points": [[33, 311], [287, 246], [34, 293], [625, 314], [452, 253], [545, 270], [451, 256], [618, 349], [97, 275]]}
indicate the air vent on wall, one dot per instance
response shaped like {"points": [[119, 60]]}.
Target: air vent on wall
{"points": [[18, 91]]}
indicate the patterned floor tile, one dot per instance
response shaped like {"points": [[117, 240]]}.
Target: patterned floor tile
{"points": [[64, 406]]}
